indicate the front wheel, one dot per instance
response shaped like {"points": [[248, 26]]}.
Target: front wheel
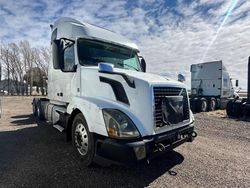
{"points": [[82, 140]]}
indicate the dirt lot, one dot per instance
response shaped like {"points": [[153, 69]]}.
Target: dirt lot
{"points": [[34, 154]]}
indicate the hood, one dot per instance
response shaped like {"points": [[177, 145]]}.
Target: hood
{"points": [[150, 78], [129, 91]]}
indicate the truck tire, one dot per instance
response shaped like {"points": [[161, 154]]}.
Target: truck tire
{"points": [[237, 107], [34, 108], [202, 105], [229, 108], [37, 109], [82, 140], [234, 108], [193, 104], [218, 103], [212, 104]]}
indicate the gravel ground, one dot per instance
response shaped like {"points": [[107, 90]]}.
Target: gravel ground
{"points": [[34, 154]]}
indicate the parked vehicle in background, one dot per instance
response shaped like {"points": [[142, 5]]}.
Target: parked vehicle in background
{"points": [[240, 106], [211, 86], [101, 97]]}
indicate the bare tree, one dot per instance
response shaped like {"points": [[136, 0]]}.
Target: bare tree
{"points": [[28, 59], [17, 68], [20, 63], [4, 55], [39, 64], [45, 57], [13, 68]]}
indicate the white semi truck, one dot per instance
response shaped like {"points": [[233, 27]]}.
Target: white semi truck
{"points": [[101, 97], [211, 86]]}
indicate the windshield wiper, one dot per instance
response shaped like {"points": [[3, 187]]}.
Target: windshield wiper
{"points": [[122, 64]]}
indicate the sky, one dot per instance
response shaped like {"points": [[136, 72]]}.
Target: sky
{"points": [[171, 34]]}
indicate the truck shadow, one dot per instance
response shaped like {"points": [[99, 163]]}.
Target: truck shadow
{"points": [[23, 120], [46, 159], [142, 175]]}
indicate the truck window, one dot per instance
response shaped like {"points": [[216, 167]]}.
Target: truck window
{"points": [[91, 53], [69, 58]]}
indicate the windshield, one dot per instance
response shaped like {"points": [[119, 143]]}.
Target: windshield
{"points": [[90, 53]]}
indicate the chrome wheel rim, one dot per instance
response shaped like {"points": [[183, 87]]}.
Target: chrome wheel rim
{"points": [[81, 139]]}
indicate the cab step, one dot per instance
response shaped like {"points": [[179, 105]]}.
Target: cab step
{"points": [[58, 127]]}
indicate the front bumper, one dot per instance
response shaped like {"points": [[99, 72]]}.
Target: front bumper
{"points": [[117, 151]]}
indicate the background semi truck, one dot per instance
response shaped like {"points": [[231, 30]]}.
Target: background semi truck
{"points": [[211, 86], [101, 97], [240, 107]]}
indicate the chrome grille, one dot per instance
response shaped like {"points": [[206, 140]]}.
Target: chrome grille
{"points": [[160, 93]]}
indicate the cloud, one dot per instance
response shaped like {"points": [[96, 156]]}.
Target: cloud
{"points": [[172, 35]]}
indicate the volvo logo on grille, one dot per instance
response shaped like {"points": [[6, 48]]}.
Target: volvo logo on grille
{"points": [[172, 109]]}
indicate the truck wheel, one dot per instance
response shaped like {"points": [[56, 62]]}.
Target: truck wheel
{"points": [[229, 108], [212, 104], [193, 104], [82, 140], [237, 108], [39, 111], [34, 108], [202, 105]]}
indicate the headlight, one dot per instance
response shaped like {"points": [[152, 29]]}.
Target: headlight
{"points": [[119, 125]]}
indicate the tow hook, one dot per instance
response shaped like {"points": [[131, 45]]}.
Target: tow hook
{"points": [[194, 134], [160, 147]]}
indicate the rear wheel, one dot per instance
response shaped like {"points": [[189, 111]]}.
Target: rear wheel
{"points": [[212, 104], [34, 108], [82, 140], [37, 109], [202, 105]]}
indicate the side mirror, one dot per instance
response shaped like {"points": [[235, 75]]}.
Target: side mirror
{"points": [[106, 67], [181, 78], [237, 83], [143, 64], [57, 53]]}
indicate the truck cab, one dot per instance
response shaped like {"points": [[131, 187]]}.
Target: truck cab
{"points": [[100, 95]]}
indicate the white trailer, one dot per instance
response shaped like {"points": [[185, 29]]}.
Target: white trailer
{"points": [[101, 97], [211, 86]]}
